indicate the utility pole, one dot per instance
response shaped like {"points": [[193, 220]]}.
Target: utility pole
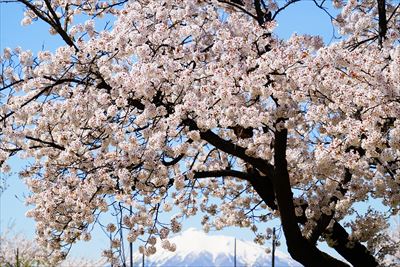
{"points": [[130, 244], [234, 254], [273, 246], [17, 258]]}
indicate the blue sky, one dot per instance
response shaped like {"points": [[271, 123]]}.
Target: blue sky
{"points": [[303, 17]]}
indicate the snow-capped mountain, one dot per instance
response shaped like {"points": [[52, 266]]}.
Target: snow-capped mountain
{"points": [[197, 249]]}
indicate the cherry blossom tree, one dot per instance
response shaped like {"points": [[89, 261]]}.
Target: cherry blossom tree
{"points": [[197, 106], [17, 250]]}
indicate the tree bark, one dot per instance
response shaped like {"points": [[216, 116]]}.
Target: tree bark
{"points": [[354, 252], [382, 20], [298, 247]]}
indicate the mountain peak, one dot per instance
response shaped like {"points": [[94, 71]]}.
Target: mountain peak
{"points": [[196, 248]]}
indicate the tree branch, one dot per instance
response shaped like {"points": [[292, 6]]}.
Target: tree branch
{"points": [[354, 252], [325, 219], [55, 23], [51, 144], [230, 148], [382, 20], [241, 8], [221, 173]]}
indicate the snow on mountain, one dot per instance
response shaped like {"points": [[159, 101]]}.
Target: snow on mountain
{"points": [[195, 248]]}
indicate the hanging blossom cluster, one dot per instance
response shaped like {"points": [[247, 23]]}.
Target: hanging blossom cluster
{"points": [[197, 107]]}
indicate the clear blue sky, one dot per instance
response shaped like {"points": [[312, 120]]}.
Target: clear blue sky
{"points": [[304, 17]]}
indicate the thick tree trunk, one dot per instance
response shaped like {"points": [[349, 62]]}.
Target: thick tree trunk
{"points": [[357, 254], [299, 248], [275, 184]]}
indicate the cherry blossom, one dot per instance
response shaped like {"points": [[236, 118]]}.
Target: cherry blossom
{"points": [[197, 107]]}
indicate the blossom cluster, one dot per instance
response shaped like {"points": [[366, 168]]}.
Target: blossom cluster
{"points": [[17, 250]]}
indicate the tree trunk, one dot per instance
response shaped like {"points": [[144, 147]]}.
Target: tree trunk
{"points": [[299, 248]]}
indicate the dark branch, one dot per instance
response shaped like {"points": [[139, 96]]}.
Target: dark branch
{"points": [[325, 219], [238, 6], [53, 22], [355, 253], [382, 20], [231, 148], [173, 161], [51, 144], [222, 173]]}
